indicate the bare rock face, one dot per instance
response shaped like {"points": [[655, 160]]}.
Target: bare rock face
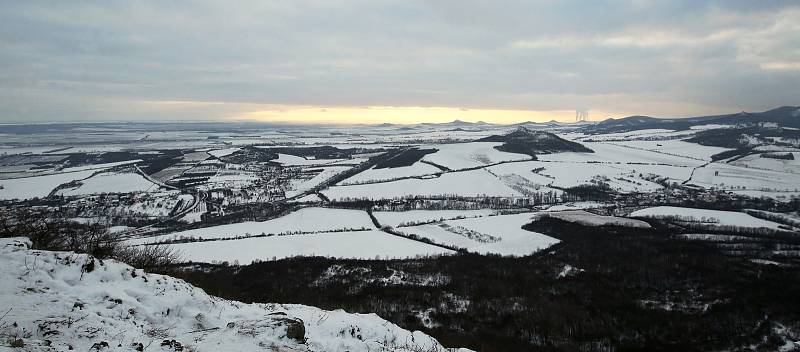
{"points": [[295, 330], [278, 321]]}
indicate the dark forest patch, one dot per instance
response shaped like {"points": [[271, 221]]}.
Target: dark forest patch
{"points": [[150, 164], [321, 152], [525, 141], [601, 288], [263, 154], [743, 137], [740, 152], [779, 156], [406, 158]]}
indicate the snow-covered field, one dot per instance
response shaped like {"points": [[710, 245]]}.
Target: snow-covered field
{"points": [[676, 147], [467, 183], [305, 220], [292, 160], [710, 126], [500, 234], [756, 161], [658, 133], [310, 198], [588, 219], [629, 166], [706, 216], [38, 186], [467, 155], [300, 186], [399, 218], [617, 152], [373, 174], [223, 152], [111, 182], [57, 304], [576, 206], [321, 232], [14, 150], [623, 178], [231, 179], [732, 177], [369, 244], [625, 166]]}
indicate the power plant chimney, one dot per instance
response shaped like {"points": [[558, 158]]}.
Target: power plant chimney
{"points": [[581, 115]]}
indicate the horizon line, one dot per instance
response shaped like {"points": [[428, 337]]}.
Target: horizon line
{"points": [[253, 119]]}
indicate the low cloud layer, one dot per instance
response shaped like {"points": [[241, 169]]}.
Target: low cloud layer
{"points": [[159, 60]]}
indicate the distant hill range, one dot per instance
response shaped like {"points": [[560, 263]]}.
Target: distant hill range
{"points": [[530, 142], [455, 123], [786, 116], [553, 124]]}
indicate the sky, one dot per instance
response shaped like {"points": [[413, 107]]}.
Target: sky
{"points": [[396, 61]]}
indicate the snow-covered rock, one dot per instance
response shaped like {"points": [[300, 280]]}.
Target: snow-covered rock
{"points": [[60, 301]]}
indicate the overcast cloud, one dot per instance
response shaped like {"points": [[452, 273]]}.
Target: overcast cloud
{"points": [[169, 60]]}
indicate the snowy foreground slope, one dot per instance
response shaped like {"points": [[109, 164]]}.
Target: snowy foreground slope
{"points": [[59, 301]]}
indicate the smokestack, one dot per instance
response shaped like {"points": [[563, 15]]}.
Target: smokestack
{"points": [[581, 115]]}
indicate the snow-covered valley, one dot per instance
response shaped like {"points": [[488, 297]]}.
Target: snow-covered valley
{"points": [[449, 229]]}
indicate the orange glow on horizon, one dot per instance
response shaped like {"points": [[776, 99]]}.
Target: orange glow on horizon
{"points": [[361, 114], [403, 115]]}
